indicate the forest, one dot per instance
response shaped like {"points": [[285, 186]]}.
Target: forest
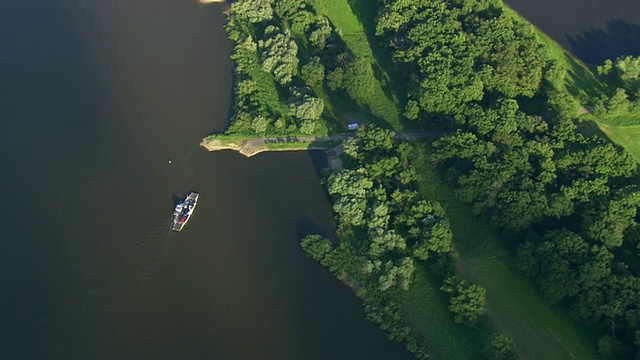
{"points": [[514, 150]]}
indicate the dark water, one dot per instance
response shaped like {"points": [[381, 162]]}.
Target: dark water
{"points": [[592, 30], [96, 96]]}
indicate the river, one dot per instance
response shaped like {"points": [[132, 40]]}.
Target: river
{"points": [[97, 96], [592, 30]]}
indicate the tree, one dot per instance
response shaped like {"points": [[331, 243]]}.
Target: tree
{"points": [[335, 79], [386, 242], [527, 259], [411, 110], [253, 10], [610, 347], [349, 182], [376, 139], [397, 274], [316, 247], [613, 218], [555, 73], [456, 52], [320, 33], [628, 67], [295, 12], [313, 72], [605, 68], [378, 221], [560, 256], [304, 106], [467, 301], [260, 124], [243, 53], [279, 54], [383, 169], [436, 240], [352, 148], [350, 187], [408, 176], [619, 103], [308, 126], [563, 103], [351, 210], [499, 347], [288, 8], [624, 70], [513, 60], [357, 79]]}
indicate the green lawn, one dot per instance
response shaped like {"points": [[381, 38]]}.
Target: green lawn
{"points": [[383, 103], [267, 88], [623, 130], [427, 311], [625, 136], [513, 307]]}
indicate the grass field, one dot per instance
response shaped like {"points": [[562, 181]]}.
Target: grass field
{"points": [[267, 88], [427, 311], [513, 307], [383, 103], [625, 136]]}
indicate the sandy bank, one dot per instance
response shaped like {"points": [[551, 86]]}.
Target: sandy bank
{"points": [[216, 144], [251, 147], [248, 148]]}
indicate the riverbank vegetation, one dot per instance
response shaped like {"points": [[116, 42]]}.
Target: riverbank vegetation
{"points": [[295, 74], [618, 114], [386, 229], [571, 198], [451, 244]]}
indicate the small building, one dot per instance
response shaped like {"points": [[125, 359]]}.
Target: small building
{"points": [[352, 126]]}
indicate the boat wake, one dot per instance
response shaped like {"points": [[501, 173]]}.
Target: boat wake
{"points": [[128, 287]]}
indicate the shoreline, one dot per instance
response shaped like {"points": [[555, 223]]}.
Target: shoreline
{"points": [[244, 147], [253, 146]]}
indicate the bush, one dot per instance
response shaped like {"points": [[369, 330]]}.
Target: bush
{"points": [[466, 302], [499, 347], [313, 72]]}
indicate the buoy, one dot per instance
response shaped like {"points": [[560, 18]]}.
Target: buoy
{"points": [[169, 161]]}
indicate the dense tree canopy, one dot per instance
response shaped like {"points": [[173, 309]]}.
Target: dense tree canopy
{"points": [[573, 197], [279, 54], [356, 78], [387, 229], [253, 10], [454, 52], [569, 201]]}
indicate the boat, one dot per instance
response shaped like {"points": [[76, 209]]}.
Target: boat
{"points": [[183, 211]]}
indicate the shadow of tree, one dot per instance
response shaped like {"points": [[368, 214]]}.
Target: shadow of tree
{"points": [[582, 81], [590, 128], [384, 69], [594, 46]]}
